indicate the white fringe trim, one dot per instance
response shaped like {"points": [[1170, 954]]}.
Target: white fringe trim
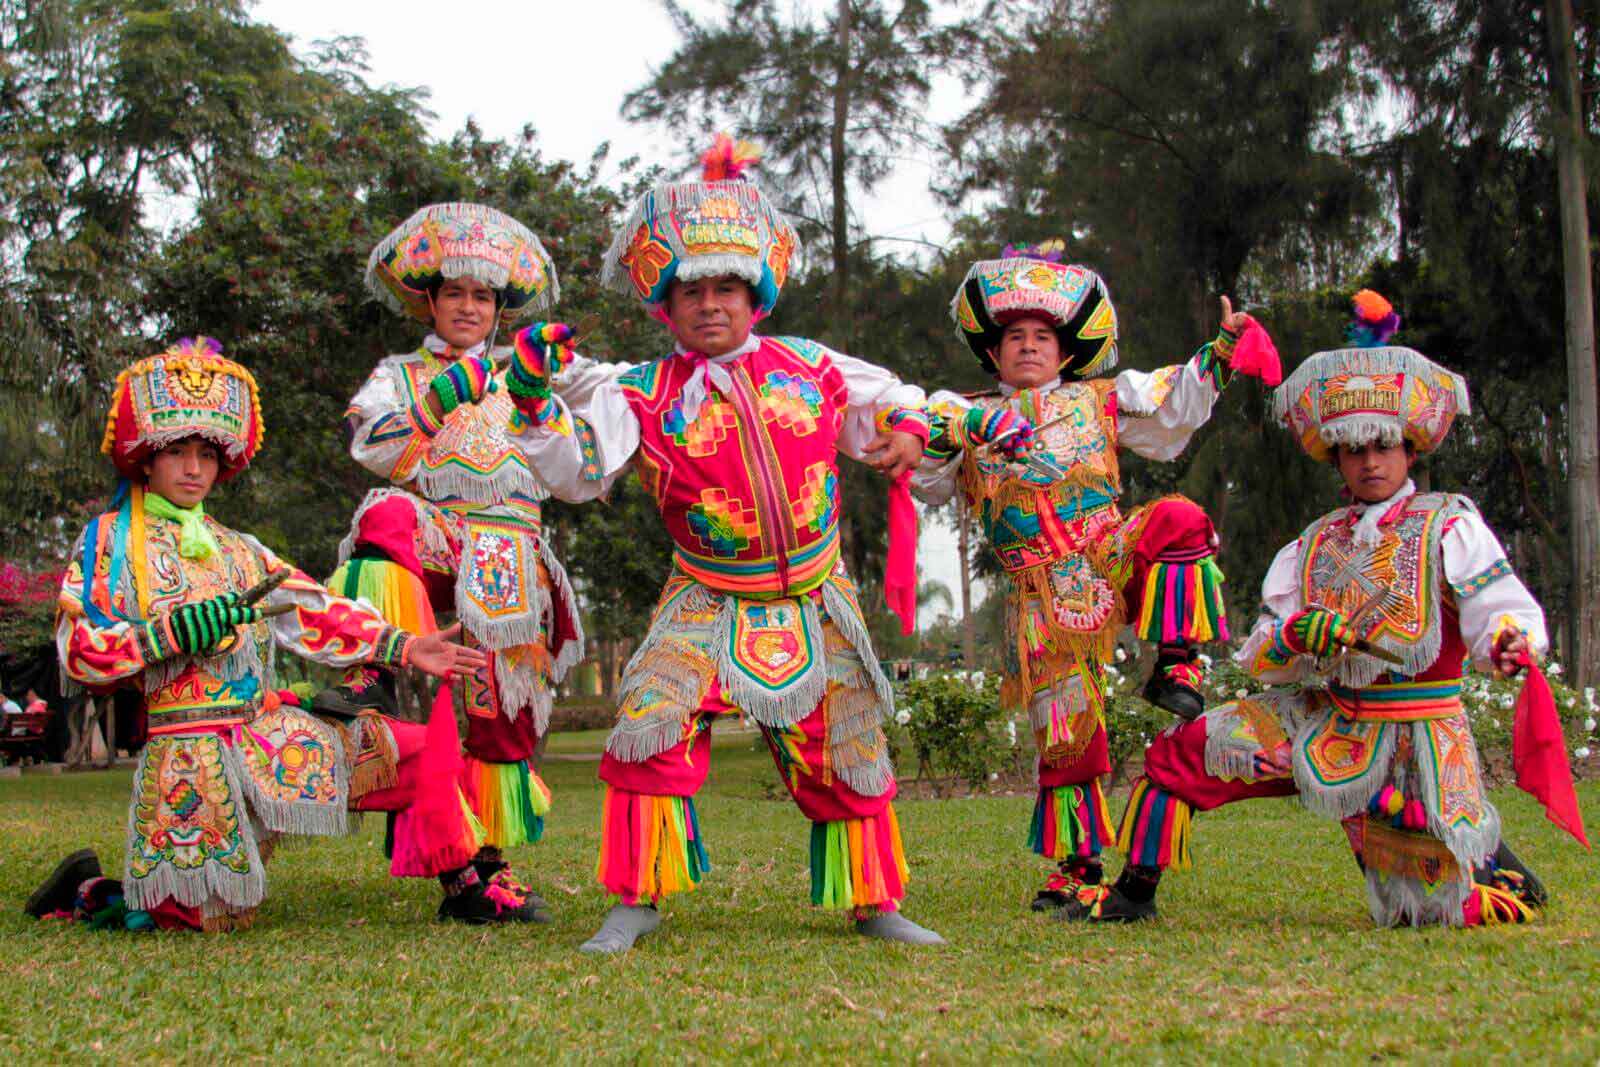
{"points": [[508, 480], [634, 740], [853, 627], [1356, 430], [1399, 901], [797, 699], [1349, 798], [233, 447], [520, 688], [563, 605]]}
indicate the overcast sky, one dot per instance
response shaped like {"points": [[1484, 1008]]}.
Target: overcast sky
{"points": [[564, 68]]}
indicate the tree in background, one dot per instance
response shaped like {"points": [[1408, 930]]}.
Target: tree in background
{"points": [[1478, 267], [831, 100], [172, 167]]}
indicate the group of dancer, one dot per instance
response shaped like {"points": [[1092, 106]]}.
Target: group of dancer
{"points": [[1370, 615]]}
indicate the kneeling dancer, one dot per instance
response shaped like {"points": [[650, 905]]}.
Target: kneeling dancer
{"points": [[736, 437], [1373, 610], [160, 596], [1037, 462]]}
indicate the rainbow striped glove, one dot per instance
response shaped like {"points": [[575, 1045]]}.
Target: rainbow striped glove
{"points": [[1315, 631], [981, 426], [466, 381], [539, 353]]}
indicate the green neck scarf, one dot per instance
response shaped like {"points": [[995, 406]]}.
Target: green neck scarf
{"points": [[194, 540]]}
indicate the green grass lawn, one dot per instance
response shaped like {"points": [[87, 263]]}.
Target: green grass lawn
{"points": [[1264, 952]]}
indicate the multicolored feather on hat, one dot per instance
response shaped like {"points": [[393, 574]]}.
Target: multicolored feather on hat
{"points": [[1052, 251], [727, 160], [1375, 320]]}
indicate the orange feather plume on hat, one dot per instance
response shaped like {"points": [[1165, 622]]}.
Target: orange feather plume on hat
{"points": [[727, 159], [1371, 306]]}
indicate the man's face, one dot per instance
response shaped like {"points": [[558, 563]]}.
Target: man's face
{"points": [[1029, 353], [463, 312], [711, 315], [184, 471], [1374, 472]]}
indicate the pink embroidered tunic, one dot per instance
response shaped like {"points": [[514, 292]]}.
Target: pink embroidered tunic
{"points": [[740, 459]]}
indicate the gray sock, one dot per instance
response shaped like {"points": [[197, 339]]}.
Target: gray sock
{"points": [[624, 925], [892, 926]]}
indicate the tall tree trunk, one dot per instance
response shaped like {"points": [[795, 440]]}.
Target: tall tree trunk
{"points": [[836, 165], [1583, 410], [969, 635], [1555, 577]]}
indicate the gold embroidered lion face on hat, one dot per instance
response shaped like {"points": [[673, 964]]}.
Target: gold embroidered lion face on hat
{"points": [[189, 390]]}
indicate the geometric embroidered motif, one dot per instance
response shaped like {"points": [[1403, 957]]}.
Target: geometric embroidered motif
{"points": [[816, 505], [1342, 750], [1500, 568], [290, 757], [702, 436], [794, 403], [1397, 572], [722, 523]]}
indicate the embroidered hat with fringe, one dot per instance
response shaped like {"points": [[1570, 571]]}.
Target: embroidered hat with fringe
{"points": [[1032, 282], [190, 390], [446, 241], [1372, 391], [688, 230]]}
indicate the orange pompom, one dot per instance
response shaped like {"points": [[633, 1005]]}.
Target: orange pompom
{"points": [[1371, 306]]}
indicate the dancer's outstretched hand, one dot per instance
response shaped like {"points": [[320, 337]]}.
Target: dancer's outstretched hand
{"points": [[1233, 321], [438, 654], [894, 452], [1511, 652]]}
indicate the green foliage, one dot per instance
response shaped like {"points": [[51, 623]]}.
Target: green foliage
{"points": [[956, 728]]}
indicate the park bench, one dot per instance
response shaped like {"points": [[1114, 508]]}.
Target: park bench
{"points": [[23, 735]]}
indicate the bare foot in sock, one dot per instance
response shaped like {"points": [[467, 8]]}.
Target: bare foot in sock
{"points": [[892, 926], [624, 925]]}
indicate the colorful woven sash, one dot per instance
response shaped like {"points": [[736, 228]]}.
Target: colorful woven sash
{"points": [[1399, 701]]}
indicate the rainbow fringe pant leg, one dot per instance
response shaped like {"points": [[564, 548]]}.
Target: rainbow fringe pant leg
{"points": [[1176, 783], [651, 843], [1164, 558]]}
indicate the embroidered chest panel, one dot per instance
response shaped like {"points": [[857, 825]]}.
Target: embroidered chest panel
{"points": [[172, 580], [187, 685], [753, 474], [1029, 508], [472, 454], [1396, 581]]}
